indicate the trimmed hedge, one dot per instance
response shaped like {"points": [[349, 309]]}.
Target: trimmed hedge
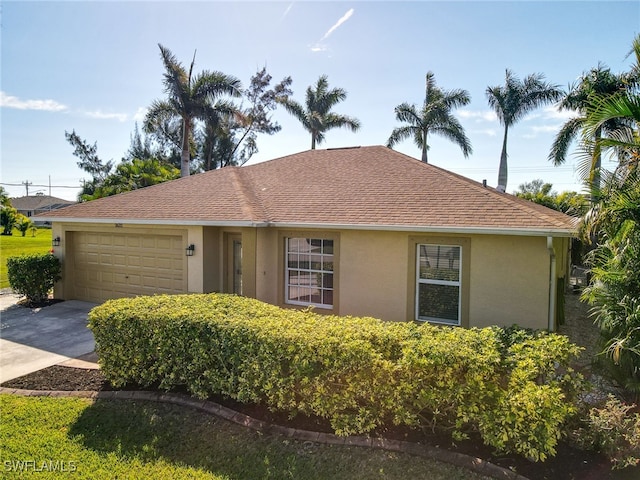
{"points": [[33, 275], [359, 373]]}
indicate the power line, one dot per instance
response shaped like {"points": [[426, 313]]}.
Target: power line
{"points": [[37, 185]]}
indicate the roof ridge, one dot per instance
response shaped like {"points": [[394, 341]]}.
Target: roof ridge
{"points": [[249, 201]]}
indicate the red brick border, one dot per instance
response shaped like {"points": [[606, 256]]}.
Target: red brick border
{"points": [[465, 461]]}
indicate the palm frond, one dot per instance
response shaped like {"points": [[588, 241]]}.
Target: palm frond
{"points": [[175, 78], [408, 114], [399, 134], [334, 120], [210, 85], [567, 134]]}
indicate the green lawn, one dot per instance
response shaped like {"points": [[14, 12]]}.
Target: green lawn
{"points": [[16, 245], [136, 439]]}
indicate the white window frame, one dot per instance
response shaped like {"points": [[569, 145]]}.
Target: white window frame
{"points": [[322, 255], [429, 281]]}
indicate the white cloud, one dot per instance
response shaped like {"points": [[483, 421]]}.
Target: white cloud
{"points": [[9, 101], [286, 12], [343, 19], [546, 128], [100, 115], [479, 115], [140, 114], [553, 113], [490, 132], [319, 46]]}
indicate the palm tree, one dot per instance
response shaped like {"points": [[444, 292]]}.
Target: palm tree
{"points": [[598, 82], [622, 110], [189, 98], [513, 101], [316, 116], [435, 117]]}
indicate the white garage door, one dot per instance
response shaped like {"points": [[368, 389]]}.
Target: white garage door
{"points": [[107, 265]]}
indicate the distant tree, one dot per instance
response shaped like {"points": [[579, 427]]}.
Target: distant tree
{"points": [[598, 81], [23, 224], [140, 148], [537, 191], [513, 101], [435, 117], [256, 118], [5, 201], [89, 162], [189, 98], [8, 216], [165, 131], [138, 173], [316, 116]]}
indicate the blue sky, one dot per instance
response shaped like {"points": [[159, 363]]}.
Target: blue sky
{"points": [[95, 67]]}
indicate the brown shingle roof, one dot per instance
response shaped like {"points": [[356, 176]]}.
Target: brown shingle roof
{"points": [[39, 202], [362, 187]]}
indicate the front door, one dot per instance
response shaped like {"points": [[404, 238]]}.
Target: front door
{"points": [[234, 264]]}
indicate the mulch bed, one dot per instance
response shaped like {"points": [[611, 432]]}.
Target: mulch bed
{"points": [[569, 463]]}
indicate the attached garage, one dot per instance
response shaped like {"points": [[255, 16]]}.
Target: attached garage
{"points": [[106, 265], [366, 213]]}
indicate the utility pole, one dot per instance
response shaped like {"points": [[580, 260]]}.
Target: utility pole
{"points": [[26, 183]]}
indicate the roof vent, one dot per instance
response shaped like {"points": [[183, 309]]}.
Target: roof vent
{"points": [[343, 148], [484, 183]]}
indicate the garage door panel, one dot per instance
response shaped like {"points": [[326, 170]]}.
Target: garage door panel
{"points": [[120, 260], [124, 265]]}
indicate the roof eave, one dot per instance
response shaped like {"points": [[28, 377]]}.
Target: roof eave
{"points": [[133, 221], [537, 232]]}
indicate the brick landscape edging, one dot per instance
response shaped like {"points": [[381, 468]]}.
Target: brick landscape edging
{"points": [[465, 461]]}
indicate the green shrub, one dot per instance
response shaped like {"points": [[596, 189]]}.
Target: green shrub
{"points": [[34, 275], [614, 431], [359, 373]]}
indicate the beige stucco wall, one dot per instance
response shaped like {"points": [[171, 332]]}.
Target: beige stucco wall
{"points": [[507, 277], [373, 271], [509, 281], [267, 265]]}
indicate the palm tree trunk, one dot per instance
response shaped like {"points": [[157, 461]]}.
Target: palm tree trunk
{"points": [[425, 147], [313, 141], [185, 158], [595, 168], [502, 170]]}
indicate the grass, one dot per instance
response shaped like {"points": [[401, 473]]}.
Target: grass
{"points": [[16, 245], [136, 439]]}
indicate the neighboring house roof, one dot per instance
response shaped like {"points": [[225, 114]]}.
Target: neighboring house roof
{"points": [[39, 203], [360, 187]]}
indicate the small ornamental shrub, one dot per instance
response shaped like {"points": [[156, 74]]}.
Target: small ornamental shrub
{"points": [[358, 373], [34, 275], [614, 431]]}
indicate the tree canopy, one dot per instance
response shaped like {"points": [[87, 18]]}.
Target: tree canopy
{"points": [[434, 117], [515, 100], [315, 115]]}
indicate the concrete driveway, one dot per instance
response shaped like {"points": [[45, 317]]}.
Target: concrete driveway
{"points": [[33, 339]]}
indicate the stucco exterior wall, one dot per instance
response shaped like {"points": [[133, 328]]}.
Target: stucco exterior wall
{"points": [[505, 278], [373, 271], [509, 281], [267, 265]]}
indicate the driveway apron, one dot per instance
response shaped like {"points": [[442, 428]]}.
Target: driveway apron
{"points": [[35, 338]]}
